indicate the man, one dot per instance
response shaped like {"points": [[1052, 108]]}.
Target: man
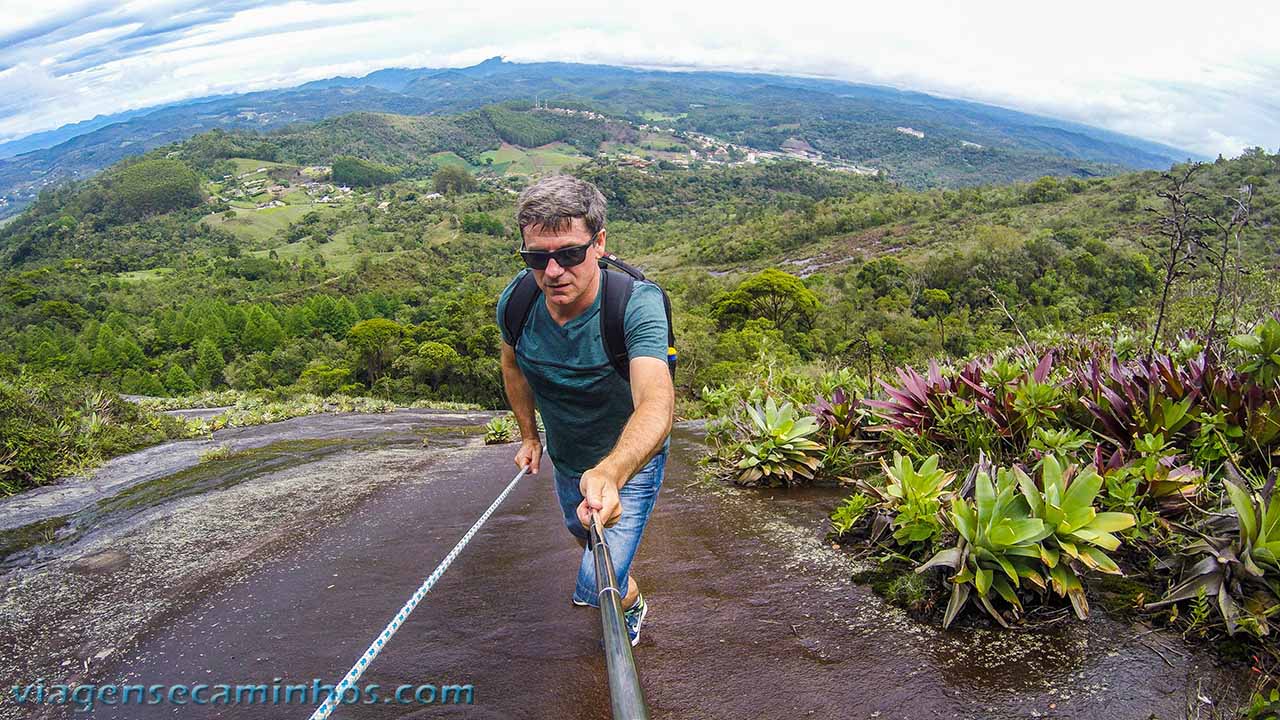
{"points": [[607, 437]]}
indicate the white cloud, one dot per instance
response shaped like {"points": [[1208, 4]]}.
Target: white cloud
{"points": [[1172, 71]]}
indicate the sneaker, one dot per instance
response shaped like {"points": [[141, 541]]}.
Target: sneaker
{"points": [[579, 603], [634, 617]]}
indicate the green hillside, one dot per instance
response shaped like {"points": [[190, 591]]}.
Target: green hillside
{"points": [[919, 140], [256, 278]]}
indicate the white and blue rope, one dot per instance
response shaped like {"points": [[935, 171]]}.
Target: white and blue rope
{"points": [[358, 669]]}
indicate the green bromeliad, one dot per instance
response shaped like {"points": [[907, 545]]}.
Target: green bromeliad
{"points": [[1016, 530], [780, 447], [1080, 535], [914, 495], [998, 546]]}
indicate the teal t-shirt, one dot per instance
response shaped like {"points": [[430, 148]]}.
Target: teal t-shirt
{"points": [[584, 402]]}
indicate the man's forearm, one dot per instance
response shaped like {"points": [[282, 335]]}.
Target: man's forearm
{"points": [[644, 433]]}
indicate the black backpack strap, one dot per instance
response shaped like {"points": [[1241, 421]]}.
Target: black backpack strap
{"points": [[519, 304], [615, 289], [613, 260]]}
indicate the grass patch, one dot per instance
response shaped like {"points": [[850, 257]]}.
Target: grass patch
{"points": [[544, 160], [144, 275], [248, 165], [222, 452], [258, 227], [338, 253], [450, 157], [296, 197], [897, 582]]}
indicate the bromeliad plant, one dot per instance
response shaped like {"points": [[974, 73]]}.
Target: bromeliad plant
{"points": [[780, 447], [501, 429], [1016, 530], [1241, 574], [1161, 482], [1017, 401], [1079, 536], [839, 416], [914, 405], [1128, 400], [993, 404], [913, 496], [1062, 442], [998, 546]]}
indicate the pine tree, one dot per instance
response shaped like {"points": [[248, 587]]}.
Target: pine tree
{"points": [[104, 358], [261, 331], [178, 382], [209, 365], [327, 317], [349, 314], [298, 321], [128, 354]]}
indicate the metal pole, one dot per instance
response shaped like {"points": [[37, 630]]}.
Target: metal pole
{"points": [[624, 686]]}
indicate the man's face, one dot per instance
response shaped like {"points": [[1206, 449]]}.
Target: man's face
{"points": [[565, 286]]}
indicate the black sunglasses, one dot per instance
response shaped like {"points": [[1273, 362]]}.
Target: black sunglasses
{"points": [[565, 257]]}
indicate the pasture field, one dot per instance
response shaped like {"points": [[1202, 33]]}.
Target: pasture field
{"points": [[546, 159], [258, 227]]}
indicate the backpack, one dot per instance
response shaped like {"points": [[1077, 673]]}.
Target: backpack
{"points": [[616, 287]]}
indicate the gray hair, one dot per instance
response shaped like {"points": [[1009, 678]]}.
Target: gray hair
{"points": [[553, 202]]}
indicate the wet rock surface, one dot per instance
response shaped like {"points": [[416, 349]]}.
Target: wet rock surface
{"points": [[290, 572]]}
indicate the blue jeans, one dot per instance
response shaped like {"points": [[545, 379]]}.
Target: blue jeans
{"points": [[638, 496]]}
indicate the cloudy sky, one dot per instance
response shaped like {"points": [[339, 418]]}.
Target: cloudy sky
{"points": [[1203, 77]]}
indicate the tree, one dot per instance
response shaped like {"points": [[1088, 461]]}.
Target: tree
{"points": [[141, 383], [209, 364], [261, 331], [333, 316], [434, 361], [155, 186], [321, 378], [376, 342], [177, 382], [771, 294], [356, 172], [483, 223], [1181, 231], [105, 358], [936, 303], [452, 180], [1046, 189], [128, 354], [298, 321]]}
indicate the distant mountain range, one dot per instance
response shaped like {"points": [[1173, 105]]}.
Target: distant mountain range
{"points": [[917, 139]]}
